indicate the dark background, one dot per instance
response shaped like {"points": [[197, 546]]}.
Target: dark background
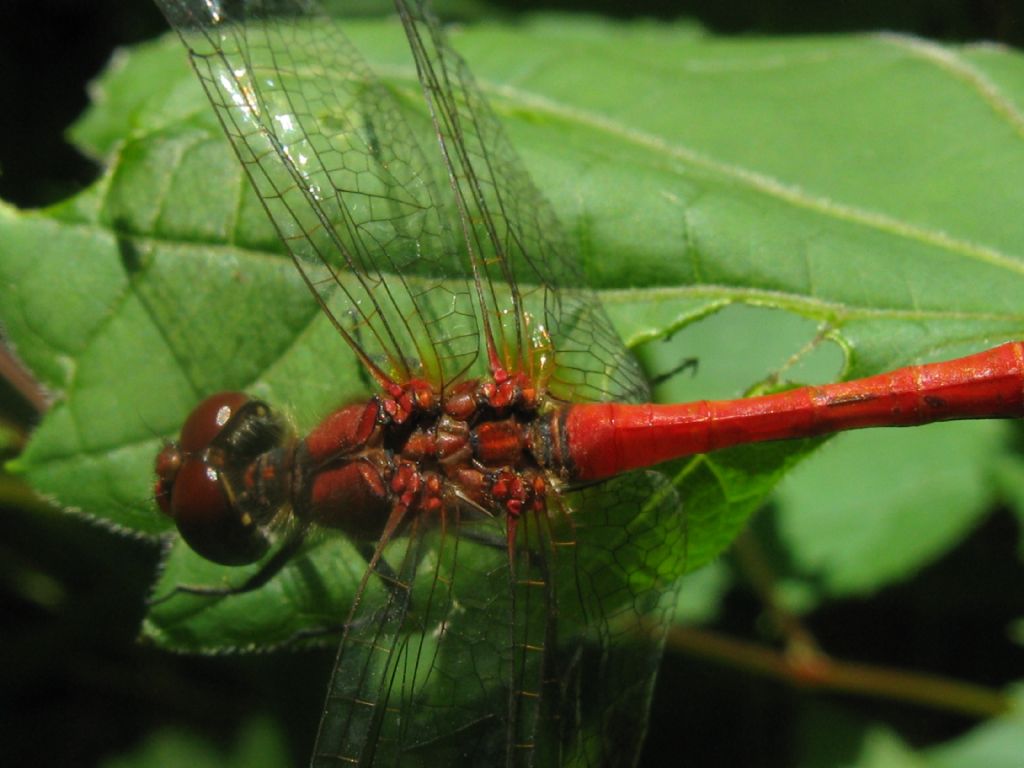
{"points": [[75, 687]]}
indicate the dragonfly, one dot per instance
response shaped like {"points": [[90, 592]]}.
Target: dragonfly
{"points": [[518, 565]]}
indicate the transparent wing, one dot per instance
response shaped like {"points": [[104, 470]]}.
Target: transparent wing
{"points": [[343, 177], [454, 656], [433, 671], [452, 653], [528, 279], [615, 605]]}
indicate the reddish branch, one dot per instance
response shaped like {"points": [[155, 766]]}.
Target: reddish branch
{"points": [[20, 380], [820, 672], [802, 663]]}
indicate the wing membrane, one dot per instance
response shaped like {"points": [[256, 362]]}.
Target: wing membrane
{"points": [[513, 236], [452, 654], [467, 659], [342, 175], [618, 600], [425, 676]]}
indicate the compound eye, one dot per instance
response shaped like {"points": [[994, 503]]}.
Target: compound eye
{"points": [[168, 462], [209, 522], [207, 420]]}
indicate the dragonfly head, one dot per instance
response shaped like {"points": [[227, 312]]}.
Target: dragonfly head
{"points": [[201, 477]]}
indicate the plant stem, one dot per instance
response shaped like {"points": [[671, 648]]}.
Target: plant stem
{"points": [[822, 672]]}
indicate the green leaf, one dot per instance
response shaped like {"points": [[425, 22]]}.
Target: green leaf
{"points": [[872, 508], [833, 737], [258, 744], [998, 743], [863, 189], [301, 606]]}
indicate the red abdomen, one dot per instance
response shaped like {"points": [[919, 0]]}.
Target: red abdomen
{"points": [[605, 439]]}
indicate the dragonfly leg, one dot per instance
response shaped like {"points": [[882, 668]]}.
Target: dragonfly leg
{"points": [[486, 540], [689, 364], [496, 542], [266, 572], [313, 633], [383, 570], [388, 578]]}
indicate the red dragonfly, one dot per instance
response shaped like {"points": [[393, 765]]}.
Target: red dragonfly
{"points": [[511, 611]]}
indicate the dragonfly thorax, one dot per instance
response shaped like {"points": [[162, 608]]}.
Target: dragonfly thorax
{"points": [[480, 445], [237, 472]]}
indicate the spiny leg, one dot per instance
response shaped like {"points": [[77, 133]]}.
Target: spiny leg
{"points": [[267, 571], [388, 578], [689, 364]]}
